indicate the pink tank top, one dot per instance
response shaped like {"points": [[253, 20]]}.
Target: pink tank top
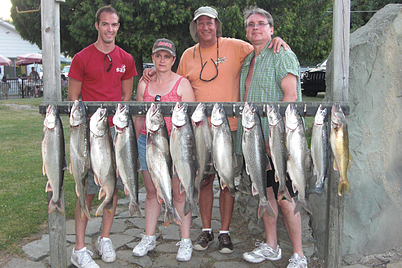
{"points": [[170, 97]]}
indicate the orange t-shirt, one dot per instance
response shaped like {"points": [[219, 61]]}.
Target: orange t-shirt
{"points": [[225, 87]]}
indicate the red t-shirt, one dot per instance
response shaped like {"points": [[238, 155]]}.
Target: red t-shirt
{"points": [[89, 65]]}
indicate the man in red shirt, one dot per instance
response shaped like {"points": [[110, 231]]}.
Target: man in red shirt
{"points": [[100, 72]]}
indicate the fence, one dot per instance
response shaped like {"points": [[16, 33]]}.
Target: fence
{"points": [[19, 90]]}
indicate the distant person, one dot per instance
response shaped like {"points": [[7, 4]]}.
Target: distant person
{"points": [[5, 87], [19, 79], [28, 87], [34, 75], [100, 72]]}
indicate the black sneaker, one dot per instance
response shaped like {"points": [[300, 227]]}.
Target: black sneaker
{"points": [[203, 240], [225, 244]]}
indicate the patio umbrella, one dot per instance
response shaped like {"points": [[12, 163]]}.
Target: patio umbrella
{"points": [[32, 57], [27, 62], [4, 61], [65, 60]]}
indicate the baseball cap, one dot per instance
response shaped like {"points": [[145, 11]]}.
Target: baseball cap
{"points": [[204, 11], [164, 44]]}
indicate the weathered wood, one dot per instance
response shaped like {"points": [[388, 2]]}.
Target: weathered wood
{"points": [[139, 108], [50, 28], [339, 93]]}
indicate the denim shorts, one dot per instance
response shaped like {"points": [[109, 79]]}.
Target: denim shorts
{"points": [[141, 142], [92, 188]]}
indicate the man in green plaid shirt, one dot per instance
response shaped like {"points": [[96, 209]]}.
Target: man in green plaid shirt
{"points": [[271, 77]]}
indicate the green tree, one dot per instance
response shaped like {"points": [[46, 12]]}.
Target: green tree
{"points": [[28, 24]]}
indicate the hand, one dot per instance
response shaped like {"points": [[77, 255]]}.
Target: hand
{"points": [[147, 75], [276, 44]]}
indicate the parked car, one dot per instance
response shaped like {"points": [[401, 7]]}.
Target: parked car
{"points": [[65, 70], [313, 80]]}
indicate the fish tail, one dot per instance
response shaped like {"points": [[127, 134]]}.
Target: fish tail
{"points": [[194, 209], [343, 187], [303, 204], [316, 190], [56, 205], [134, 208], [167, 218], [85, 211], [175, 216], [232, 191], [108, 205], [265, 206], [284, 193]]}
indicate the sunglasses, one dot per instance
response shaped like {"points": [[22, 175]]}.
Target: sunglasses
{"points": [[110, 63]]}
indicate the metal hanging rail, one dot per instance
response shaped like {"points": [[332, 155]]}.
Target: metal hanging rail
{"points": [[232, 109]]}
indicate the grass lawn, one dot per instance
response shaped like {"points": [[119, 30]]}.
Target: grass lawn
{"points": [[23, 201]]}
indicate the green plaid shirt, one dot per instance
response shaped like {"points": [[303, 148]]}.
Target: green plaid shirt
{"points": [[269, 70]]}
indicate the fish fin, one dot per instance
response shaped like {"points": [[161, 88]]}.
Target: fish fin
{"points": [[343, 187], [148, 140], [232, 191], [254, 190], [248, 173], [71, 168], [76, 190], [48, 187], [269, 166], [316, 190], [65, 164], [167, 218], [265, 207], [96, 179], [102, 193], [126, 191], [43, 169], [222, 183], [134, 208], [276, 177], [335, 166]]}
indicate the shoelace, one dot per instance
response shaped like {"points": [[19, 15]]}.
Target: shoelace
{"points": [[144, 241], [204, 236], [107, 247], [184, 244], [85, 257]]}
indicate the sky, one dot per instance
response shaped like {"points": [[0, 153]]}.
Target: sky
{"points": [[5, 6]]}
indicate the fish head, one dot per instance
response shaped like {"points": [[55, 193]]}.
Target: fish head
{"points": [[250, 116], [179, 116], [121, 117], [320, 116], [50, 121], [218, 115], [292, 116], [337, 116], [77, 114], [154, 118], [199, 114], [98, 124], [273, 116]]}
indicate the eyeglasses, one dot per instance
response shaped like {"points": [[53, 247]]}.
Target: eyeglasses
{"points": [[110, 64], [216, 66], [259, 24]]}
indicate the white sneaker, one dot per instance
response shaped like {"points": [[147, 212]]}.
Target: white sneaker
{"points": [[106, 249], [185, 249], [146, 244], [263, 252], [83, 258], [297, 262]]}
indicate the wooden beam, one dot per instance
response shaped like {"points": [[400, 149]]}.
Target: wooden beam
{"points": [[50, 28], [139, 108], [338, 93]]}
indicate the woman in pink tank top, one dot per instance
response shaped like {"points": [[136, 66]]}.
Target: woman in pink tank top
{"points": [[175, 88]]}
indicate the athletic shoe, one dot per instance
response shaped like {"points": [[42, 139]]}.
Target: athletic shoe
{"points": [[146, 244], [203, 240], [185, 250], [225, 244], [106, 249], [263, 252], [297, 262], [83, 258]]}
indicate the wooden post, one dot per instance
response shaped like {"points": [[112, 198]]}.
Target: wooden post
{"points": [[50, 28], [340, 85]]}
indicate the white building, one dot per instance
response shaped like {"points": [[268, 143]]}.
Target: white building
{"points": [[12, 45]]}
